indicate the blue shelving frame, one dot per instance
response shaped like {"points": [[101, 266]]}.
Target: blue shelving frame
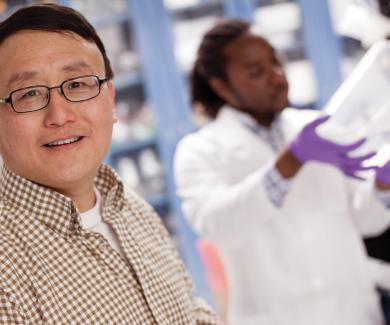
{"points": [[323, 47], [243, 9], [167, 95]]}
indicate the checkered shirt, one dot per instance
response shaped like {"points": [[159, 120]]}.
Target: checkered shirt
{"points": [[53, 271], [276, 185]]}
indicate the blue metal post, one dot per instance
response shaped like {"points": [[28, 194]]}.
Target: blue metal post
{"points": [[243, 9], [323, 47], [168, 97]]}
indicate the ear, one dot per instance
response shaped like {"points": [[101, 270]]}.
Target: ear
{"points": [[222, 89], [111, 92]]}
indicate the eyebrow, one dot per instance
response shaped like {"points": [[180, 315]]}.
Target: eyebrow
{"points": [[24, 75], [76, 66], [28, 75]]}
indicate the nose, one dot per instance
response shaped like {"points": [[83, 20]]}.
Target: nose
{"points": [[59, 111], [278, 76]]}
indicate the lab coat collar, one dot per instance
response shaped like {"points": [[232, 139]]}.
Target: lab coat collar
{"points": [[228, 112]]}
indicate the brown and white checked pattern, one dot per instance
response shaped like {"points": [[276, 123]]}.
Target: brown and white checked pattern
{"points": [[53, 271]]}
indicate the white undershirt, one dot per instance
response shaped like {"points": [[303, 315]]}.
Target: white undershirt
{"points": [[91, 220]]}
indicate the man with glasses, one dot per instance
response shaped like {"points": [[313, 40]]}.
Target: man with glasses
{"points": [[75, 246]]}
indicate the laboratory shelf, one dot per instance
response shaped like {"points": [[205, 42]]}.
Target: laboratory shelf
{"points": [[199, 9], [259, 3], [158, 201], [109, 19], [131, 147], [127, 80]]}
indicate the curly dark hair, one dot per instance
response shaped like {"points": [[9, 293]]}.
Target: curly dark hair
{"points": [[211, 62]]}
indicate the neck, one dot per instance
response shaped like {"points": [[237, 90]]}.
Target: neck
{"points": [[265, 120], [84, 197]]}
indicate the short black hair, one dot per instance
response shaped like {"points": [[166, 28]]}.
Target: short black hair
{"points": [[211, 62], [53, 18]]}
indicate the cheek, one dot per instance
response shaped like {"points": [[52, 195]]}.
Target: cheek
{"points": [[16, 139], [105, 121]]}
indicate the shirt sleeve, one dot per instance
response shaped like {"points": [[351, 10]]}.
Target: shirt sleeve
{"points": [[9, 310], [276, 186]]}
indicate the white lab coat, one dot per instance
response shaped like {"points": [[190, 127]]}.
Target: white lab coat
{"points": [[301, 264]]}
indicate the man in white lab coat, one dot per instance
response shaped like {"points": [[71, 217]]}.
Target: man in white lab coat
{"points": [[280, 202]]}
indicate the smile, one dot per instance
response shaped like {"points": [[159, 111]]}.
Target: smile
{"points": [[63, 142]]}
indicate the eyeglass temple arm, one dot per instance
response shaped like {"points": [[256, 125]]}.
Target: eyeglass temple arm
{"points": [[5, 100]]}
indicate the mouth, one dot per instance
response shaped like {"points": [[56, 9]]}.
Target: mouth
{"points": [[63, 142], [282, 93]]}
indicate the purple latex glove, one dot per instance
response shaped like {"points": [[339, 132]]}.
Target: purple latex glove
{"points": [[383, 174], [309, 146]]}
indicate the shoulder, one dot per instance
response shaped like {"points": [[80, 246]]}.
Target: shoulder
{"points": [[220, 136], [134, 201], [138, 208]]}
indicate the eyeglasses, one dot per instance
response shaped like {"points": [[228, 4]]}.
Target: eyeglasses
{"points": [[34, 98]]}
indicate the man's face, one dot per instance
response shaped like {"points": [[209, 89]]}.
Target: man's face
{"points": [[30, 58], [256, 82]]}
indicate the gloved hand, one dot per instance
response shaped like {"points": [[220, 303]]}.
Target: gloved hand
{"points": [[383, 174], [309, 146]]}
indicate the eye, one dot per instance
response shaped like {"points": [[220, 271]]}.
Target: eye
{"points": [[27, 94], [76, 84], [32, 93], [277, 60], [256, 72]]}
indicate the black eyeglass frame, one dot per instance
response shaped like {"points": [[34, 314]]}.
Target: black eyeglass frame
{"points": [[8, 100]]}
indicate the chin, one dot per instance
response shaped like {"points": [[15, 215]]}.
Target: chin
{"points": [[68, 178], [280, 108]]}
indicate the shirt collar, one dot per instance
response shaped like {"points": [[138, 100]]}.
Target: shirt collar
{"points": [[247, 120], [42, 204], [273, 136]]}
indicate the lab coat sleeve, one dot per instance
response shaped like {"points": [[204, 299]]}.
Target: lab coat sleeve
{"points": [[370, 213], [219, 211]]}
